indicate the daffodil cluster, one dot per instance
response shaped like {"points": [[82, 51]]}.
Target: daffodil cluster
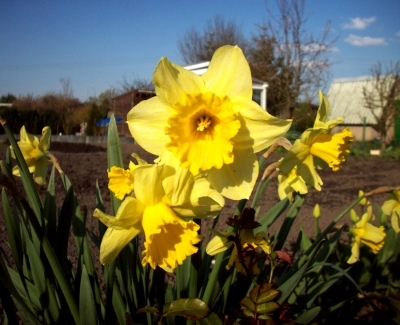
{"points": [[35, 153], [316, 147]]}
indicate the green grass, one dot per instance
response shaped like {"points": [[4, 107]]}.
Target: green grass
{"points": [[363, 150]]}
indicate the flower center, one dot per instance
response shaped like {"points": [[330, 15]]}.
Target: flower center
{"points": [[203, 123], [201, 130]]}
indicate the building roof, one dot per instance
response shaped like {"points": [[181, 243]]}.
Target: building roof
{"points": [[346, 100]]}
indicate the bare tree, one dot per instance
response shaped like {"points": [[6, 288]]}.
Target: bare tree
{"points": [[382, 98], [65, 106], [197, 46], [302, 61], [134, 84]]}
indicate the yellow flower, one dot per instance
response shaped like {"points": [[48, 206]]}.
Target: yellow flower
{"points": [[290, 183], [209, 123], [169, 239], [222, 242], [121, 180], [391, 207], [35, 153], [366, 233], [317, 146]]}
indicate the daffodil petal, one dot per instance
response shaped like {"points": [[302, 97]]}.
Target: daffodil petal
{"points": [[114, 240], [309, 174], [259, 128], [129, 215], [236, 181], [205, 202], [146, 122], [229, 74], [218, 245], [179, 185], [44, 143], [40, 173], [173, 82], [148, 184]]}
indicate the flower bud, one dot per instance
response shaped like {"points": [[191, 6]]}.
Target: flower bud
{"points": [[364, 200], [316, 211]]}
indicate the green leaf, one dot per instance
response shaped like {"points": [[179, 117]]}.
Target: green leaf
{"points": [[267, 296], [288, 222], [87, 306], [50, 210], [308, 316], [272, 214], [13, 232], [248, 303], [114, 157], [305, 241], [193, 309], [27, 314], [267, 307], [211, 319]]}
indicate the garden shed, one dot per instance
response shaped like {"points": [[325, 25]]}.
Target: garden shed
{"points": [[346, 100], [124, 103]]}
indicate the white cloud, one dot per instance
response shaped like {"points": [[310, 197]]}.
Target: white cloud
{"points": [[364, 41], [398, 34], [359, 23], [319, 48]]}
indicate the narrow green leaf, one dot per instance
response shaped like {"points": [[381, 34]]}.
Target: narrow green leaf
{"points": [[305, 241], [87, 305], [26, 313], [290, 284], [50, 210], [272, 214], [308, 316], [288, 222], [13, 232], [63, 229], [114, 157], [193, 309], [54, 263]]}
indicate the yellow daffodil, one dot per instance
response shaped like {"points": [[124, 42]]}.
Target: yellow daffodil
{"points": [[221, 242], [316, 146], [366, 233], [120, 181], [209, 123], [391, 207], [169, 239], [290, 183], [35, 153]]}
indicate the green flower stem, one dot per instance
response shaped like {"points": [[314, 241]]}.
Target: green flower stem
{"points": [[262, 185]]}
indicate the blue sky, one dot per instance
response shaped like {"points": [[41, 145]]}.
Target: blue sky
{"points": [[95, 44]]}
